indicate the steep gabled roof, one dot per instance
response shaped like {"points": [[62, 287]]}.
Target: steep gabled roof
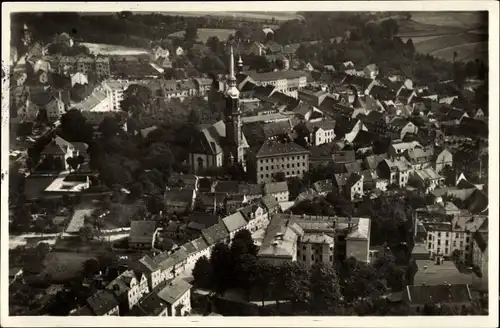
{"points": [[272, 147]]}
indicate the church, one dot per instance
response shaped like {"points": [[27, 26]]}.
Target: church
{"points": [[221, 144]]}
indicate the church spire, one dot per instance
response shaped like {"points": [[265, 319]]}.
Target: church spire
{"points": [[232, 77], [232, 91]]}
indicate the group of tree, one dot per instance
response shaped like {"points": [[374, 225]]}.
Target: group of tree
{"points": [[319, 290]]}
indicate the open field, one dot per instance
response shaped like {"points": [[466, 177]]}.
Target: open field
{"points": [[441, 34], [110, 49], [467, 20], [259, 15], [464, 51], [443, 42], [205, 33], [63, 266]]}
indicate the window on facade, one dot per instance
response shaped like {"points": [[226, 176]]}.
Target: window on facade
{"points": [[439, 234], [447, 234], [262, 176], [288, 166], [312, 257], [267, 175]]}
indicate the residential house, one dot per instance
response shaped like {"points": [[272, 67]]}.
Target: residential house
{"points": [[371, 162], [405, 96], [287, 82], [353, 167], [151, 269], [177, 294], [195, 249], [97, 101], [103, 303], [397, 149], [234, 223], [279, 244], [127, 290], [151, 306], [323, 187], [372, 182], [426, 179], [171, 264], [274, 157], [271, 205], [347, 68], [420, 158], [480, 253], [371, 71], [278, 190], [455, 237], [56, 153], [314, 97], [215, 234], [114, 92], [160, 52], [399, 127], [453, 116], [417, 297], [180, 180], [353, 187], [256, 216], [142, 234], [51, 102], [396, 171], [79, 78], [307, 112], [348, 129], [293, 238], [339, 181], [179, 200], [202, 85], [316, 133]]}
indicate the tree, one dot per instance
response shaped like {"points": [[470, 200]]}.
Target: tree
{"points": [[297, 282], [75, 162], [87, 232], [137, 99], [191, 33], [325, 290], [215, 45], [244, 272], [222, 267], [90, 267], [410, 46], [195, 116], [109, 127], [242, 244], [74, 127], [136, 190]]}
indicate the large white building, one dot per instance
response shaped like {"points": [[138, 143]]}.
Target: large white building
{"points": [[443, 238], [114, 92]]}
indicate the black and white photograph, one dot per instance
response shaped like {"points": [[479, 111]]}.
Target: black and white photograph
{"points": [[167, 162]]}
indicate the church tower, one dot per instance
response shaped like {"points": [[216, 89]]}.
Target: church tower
{"points": [[232, 115]]}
